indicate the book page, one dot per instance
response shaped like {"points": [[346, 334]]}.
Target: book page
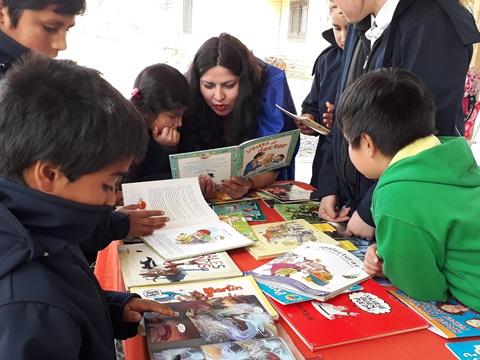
{"points": [[306, 121], [181, 199]]}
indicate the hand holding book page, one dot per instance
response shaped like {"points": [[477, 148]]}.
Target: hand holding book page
{"points": [[194, 228], [306, 121]]}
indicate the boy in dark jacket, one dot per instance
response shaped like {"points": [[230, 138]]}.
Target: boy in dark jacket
{"points": [[54, 193], [431, 38]]}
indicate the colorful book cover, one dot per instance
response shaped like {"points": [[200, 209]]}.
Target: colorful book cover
{"points": [[367, 314], [280, 237], [249, 158], [313, 269], [217, 320], [204, 290], [142, 266], [307, 211], [249, 209], [449, 319], [273, 348], [239, 223], [286, 192], [465, 350]]}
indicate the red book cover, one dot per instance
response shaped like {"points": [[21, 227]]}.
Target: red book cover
{"points": [[367, 314]]}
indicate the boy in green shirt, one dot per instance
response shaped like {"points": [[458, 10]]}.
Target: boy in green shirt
{"points": [[426, 202]]}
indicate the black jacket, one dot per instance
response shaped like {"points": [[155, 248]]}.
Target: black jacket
{"points": [[10, 51], [51, 305], [156, 164], [431, 38], [326, 71]]}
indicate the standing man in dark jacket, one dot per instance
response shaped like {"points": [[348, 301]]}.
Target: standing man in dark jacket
{"points": [[431, 38]]}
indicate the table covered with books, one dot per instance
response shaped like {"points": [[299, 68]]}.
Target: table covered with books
{"points": [[409, 338]]}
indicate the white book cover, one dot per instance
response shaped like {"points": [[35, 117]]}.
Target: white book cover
{"points": [[194, 228]]}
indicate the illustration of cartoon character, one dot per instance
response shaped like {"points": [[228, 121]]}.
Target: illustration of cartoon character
{"points": [[201, 236], [255, 163], [330, 310], [172, 271], [290, 233]]}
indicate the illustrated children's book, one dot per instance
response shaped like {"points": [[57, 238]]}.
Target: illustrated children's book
{"points": [[307, 211], [249, 158], [449, 319], [286, 192], [212, 321], [306, 121], [194, 228], [367, 314], [239, 223], [273, 348], [142, 266], [313, 269], [250, 210], [204, 290], [277, 238], [465, 350]]}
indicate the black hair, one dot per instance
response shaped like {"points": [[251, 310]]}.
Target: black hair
{"points": [[58, 112], [208, 130], [257, 155], [159, 88], [64, 7], [391, 105]]}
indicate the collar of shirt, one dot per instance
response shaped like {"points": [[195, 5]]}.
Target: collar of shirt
{"points": [[381, 21]]}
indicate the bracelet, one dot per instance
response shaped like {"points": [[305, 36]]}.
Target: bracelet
{"points": [[252, 183]]}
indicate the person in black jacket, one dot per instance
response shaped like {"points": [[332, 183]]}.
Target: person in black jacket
{"points": [[54, 192], [326, 71], [432, 39]]}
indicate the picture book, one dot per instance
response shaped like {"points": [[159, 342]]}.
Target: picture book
{"points": [[250, 209], [465, 350], [449, 319], [239, 223], [223, 198], [318, 269], [306, 121], [249, 158], [277, 238], [307, 211], [204, 290], [286, 192], [337, 231], [194, 229], [212, 321], [141, 266], [273, 348], [357, 316]]}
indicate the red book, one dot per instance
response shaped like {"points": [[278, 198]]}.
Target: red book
{"points": [[367, 314]]}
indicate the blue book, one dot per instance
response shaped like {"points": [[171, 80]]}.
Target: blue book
{"points": [[465, 349]]}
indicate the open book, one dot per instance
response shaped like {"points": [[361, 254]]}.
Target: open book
{"points": [[248, 158], [307, 122], [194, 228]]}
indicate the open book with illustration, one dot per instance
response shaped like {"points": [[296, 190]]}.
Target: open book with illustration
{"points": [[142, 266], [279, 237], [194, 228], [449, 319], [248, 158], [212, 321], [306, 121], [239, 223], [318, 269]]}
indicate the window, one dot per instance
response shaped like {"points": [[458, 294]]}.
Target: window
{"points": [[297, 21], [187, 16]]}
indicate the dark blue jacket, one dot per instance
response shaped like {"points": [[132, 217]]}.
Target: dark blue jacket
{"points": [[326, 71], [156, 163], [431, 38], [51, 305]]}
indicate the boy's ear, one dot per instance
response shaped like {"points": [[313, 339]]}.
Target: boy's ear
{"points": [[43, 176], [368, 145]]}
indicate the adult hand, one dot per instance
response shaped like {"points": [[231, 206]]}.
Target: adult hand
{"points": [[236, 187], [135, 307], [167, 136], [372, 263], [328, 210], [208, 187], [305, 129], [359, 228], [143, 222], [328, 116]]}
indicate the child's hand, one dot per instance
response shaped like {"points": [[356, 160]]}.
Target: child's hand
{"points": [[327, 210], [167, 136], [208, 187], [359, 228], [236, 187], [135, 307], [305, 129], [373, 264], [143, 222], [328, 116]]}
